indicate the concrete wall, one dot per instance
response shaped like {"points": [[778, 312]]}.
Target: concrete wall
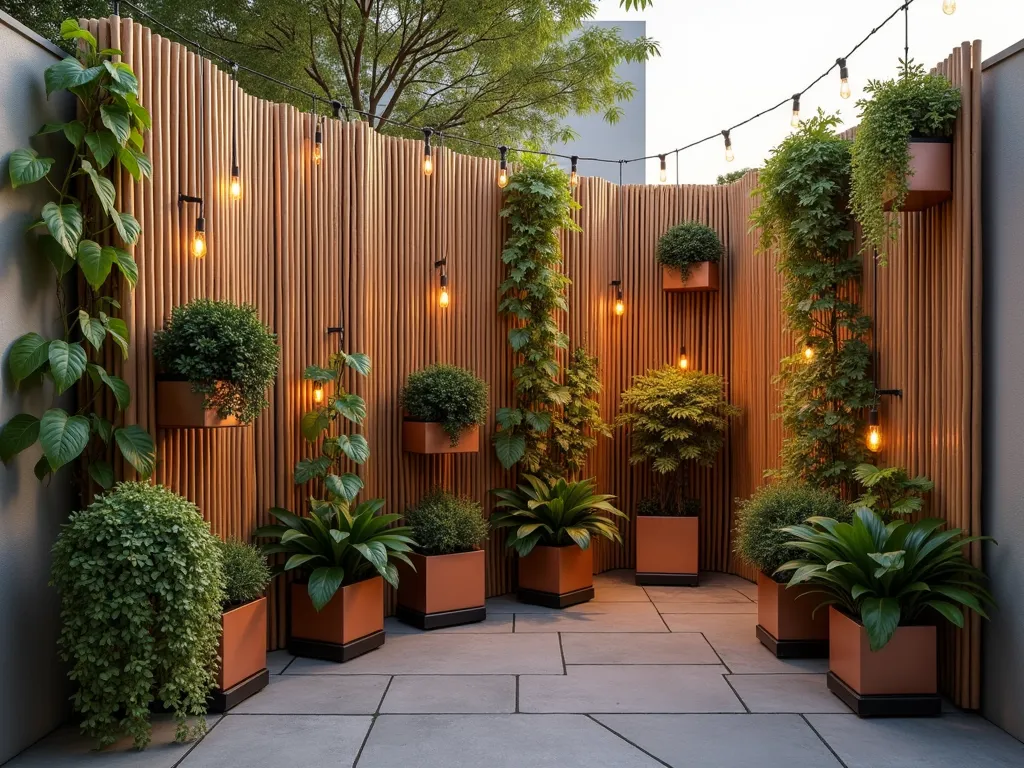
{"points": [[1003, 449], [33, 687]]}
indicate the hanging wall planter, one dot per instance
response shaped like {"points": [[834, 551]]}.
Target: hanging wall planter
{"points": [[430, 437], [178, 407], [930, 175], [349, 625], [444, 406], [689, 254], [702, 276], [667, 547]]}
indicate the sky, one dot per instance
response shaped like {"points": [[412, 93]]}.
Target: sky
{"points": [[724, 60]]}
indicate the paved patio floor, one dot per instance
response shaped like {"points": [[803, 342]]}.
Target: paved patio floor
{"points": [[637, 678]]}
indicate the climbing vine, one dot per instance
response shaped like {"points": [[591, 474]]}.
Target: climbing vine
{"points": [[576, 428]]}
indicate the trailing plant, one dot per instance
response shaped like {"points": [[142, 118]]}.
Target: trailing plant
{"points": [[731, 176], [760, 539], [453, 396], [538, 203], [651, 506], [141, 587], [224, 351], [576, 427], [915, 105], [803, 213], [686, 244], [444, 524], [675, 418], [81, 231], [890, 491], [888, 575], [246, 573], [554, 513]]}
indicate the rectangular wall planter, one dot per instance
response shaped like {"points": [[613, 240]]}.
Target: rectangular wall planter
{"points": [[702, 276], [178, 407], [785, 625], [243, 653], [667, 551], [443, 591], [930, 177], [351, 624], [900, 680], [557, 577], [429, 437]]}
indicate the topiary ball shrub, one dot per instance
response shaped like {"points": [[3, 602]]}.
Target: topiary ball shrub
{"points": [[759, 538], [444, 524], [453, 396], [141, 588], [246, 573], [686, 244], [225, 351]]}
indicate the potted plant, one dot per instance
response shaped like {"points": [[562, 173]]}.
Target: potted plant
{"points": [[676, 418], [551, 526], [689, 254], [444, 406], [787, 623], [243, 640], [216, 361], [446, 584], [902, 152], [885, 586]]}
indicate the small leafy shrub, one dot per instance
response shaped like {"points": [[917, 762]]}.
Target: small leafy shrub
{"points": [[890, 491], [652, 507], [246, 574], [444, 524], [732, 176], [760, 539], [575, 429], [686, 244], [225, 351], [453, 396], [141, 588]]}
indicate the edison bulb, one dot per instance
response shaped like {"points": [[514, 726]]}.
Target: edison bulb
{"points": [[949, 7], [620, 307], [428, 165], [874, 441], [729, 154], [318, 393], [663, 176], [844, 88], [683, 362], [318, 152], [199, 245], [443, 301], [808, 353], [795, 120], [236, 188], [502, 178], [574, 179]]}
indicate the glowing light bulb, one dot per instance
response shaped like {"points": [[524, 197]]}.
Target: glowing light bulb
{"points": [[684, 362], [795, 120], [428, 165], [663, 174], [503, 178], [949, 7], [318, 393], [874, 438], [236, 184], [844, 79], [318, 145], [620, 307], [428, 160], [503, 167], [808, 353], [574, 177], [199, 239], [444, 300]]}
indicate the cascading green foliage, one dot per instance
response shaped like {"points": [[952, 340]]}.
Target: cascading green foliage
{"points": [[804, 189], [82, 231], [246, 573], [538, 204], [141, 588], [444, 524], [890, 491], [453, 396], [687, 244], [576, 428]]}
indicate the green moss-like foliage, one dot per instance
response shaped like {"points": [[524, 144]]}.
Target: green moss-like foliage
{"points": [[225, 351], [141, 588], [453, 396], [576, 428], [686, 244], [246, 573], [444, 524]]}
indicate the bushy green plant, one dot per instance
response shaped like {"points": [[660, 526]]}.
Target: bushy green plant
{"points": [[453, 396], [686, 244], [760, 539], [444, 524], [246, 573], [225, 351], [888, 575], [732, 176], [890, 491], [576, 427], [651, 506], [554, 514], [914, 105], [141, 588]]}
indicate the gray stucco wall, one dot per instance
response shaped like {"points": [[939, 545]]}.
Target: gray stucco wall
{"points": [[33, 687], [1003, 449]]}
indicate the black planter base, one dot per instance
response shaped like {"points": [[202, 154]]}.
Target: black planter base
{"points": [[316, 649], [555, 599], [891, 705], [792, 649], [441, 619], [667, 579], [222, 701]]}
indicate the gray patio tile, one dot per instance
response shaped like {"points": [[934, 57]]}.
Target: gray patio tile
{"points": [[619, 593], [450, 694], [625, 688], [432, 654], [734, 626], [271, 741], [798, 694], [744, 655], [620, 576], [303, 695], [613, 620], [746, 607], [495, 623], [509, 604], [725, 741], [950, 741], [277, 661], [637, 648], [695, 595], [496, 741]]}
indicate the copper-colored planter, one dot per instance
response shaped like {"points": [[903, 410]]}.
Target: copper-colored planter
{"points": [[557, 577], [178, 407], [243, 653], [785, 624], [430, 437], [351, 624], [443, 591], [930, 176], [897, 680], [702, 276], [667, 550]]}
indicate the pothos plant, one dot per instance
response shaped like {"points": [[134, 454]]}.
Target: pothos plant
{"points": [[81, 230], [576, 427]]}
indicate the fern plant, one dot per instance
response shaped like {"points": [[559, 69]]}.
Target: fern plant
{"points": [[890, 491], [576, 428]]}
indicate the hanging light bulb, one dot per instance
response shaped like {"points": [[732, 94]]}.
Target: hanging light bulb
{"points": [[729, 154], [236, 184], [620, 305], [574, 177], [199, 239], [663, 174], [235, 187], [949, 7], [444, 300], [428, 160], [795, 120], [844, 79], [318, 392], [808, 352], [318, 144], [684, 362], [503, 168], [874, 440]]}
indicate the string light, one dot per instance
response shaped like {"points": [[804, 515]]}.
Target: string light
{"points": [[574, 177], [874, 439], [318, 143], [949, 7], [795, 120], [844, 78], [729, 154], [199, 239], [808, 352], [620, 305], [236, 184], [444, 299], [318, 393], [503, 167], [235, 187], [684, 362], [663, 175], [428, 160]]}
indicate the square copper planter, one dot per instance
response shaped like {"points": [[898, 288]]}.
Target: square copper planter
{"points": [[785, 624], [930, 176], [667, 551], [443, 591], [900, 680], [557, 577], [351, 624], [430, 437], [702, 276], [243, 654], [178, 407]]}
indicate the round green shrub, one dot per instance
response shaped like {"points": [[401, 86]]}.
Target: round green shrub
{"points": [[453, 396], [759, 539], [652, 506], [246, 574], [141, 588], [444, 524], [225, 351], [688, 243]]}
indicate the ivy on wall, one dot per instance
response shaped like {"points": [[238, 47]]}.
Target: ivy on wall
{"points": [[576, 428]]}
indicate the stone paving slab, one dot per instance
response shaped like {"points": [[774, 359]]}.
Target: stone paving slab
{"points": [[637, 648], [509, 604], [746, 607], [619, 593], [317, 695], [450, 694], [695, 595], [277, 661], [647, 620], [746, 655], [728, 627], [790, 693], [495, 623]]}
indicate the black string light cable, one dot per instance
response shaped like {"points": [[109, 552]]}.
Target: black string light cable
{"points": [[236, 180], [620, 304]]}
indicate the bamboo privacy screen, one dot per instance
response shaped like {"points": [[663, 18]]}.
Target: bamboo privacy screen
{"points": [[352, 242]]}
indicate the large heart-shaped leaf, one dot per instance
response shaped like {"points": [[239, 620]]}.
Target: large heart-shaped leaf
{"points": [[127, 226], [67, 363], [347, 485], [104, 146], [307, 469], [92, 329], [63, 437], [124, 83], [101, 427], [103, 186], [102, 474], [312, 424], [65, 224], [69, 73], [509, 447], [135, 162], [17, 435], [27, 167], [118, 330], [137, 447], [353, 446], [122, 392], [70, 30], [358, 362], [352, 407], [119, 120], [125, 263], [324, 583], [28, 354], [95, 262]]}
